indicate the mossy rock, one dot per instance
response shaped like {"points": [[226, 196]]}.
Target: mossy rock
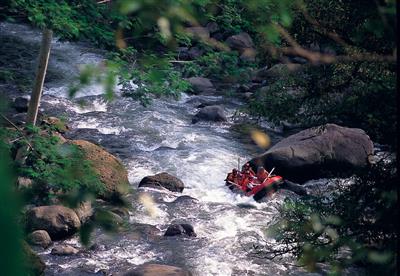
{"points": [[109, 168]]}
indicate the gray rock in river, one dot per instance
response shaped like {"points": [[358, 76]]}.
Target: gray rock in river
{"points": [[142, 231], [313, 152], [214, 113], [149, 269], [64, 250], [180, 229], [59, 221], [163, 180]]}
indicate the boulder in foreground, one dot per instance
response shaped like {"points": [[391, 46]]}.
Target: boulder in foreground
{"points": [[59, 221]]}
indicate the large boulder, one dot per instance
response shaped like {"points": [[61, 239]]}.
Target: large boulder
{"points": [[214, 113], [201, 85], [163, 180], [111, 171], [59, 221], [150, 269], [316, 151]]}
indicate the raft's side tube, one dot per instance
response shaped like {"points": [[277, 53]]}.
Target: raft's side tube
{"points": [[273, 187]]}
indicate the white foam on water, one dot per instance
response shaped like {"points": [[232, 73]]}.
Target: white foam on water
{"points": [[92, 123], [137, 171], [142, 215], [135, 254], [97, 105]]}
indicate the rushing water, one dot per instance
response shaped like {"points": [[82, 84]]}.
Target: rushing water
{"points": [[149, 140]]}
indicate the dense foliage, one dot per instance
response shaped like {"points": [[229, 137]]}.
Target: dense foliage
{"points": [[9, 205], [56, 169], [332, 228], [357, 94], [354, 92], [71, 20]]}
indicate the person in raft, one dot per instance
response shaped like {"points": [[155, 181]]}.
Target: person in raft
{"points": [[262, 174], [248, 177]]}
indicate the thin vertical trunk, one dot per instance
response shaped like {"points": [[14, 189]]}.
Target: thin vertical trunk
{"points": [[37, 88], [40, 75]]}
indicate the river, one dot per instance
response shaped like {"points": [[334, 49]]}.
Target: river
{"points": [[150, 140]]}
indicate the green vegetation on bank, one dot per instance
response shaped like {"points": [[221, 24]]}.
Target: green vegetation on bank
{"points": [[331, 228], [55, 169]]}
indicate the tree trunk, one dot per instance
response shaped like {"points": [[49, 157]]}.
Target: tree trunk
{"points": [[37, 89], [40, 75]]}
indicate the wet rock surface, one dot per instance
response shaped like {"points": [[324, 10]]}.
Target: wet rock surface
{"points": [[310, 152], [163, 180], [64, 250], [59, 221], [184, 229], [40, 238], [213, 113]]}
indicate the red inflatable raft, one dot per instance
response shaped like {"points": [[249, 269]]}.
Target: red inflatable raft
{"points": [[257, 185]]}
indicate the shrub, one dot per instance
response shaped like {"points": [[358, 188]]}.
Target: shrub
{"points": [[331, 228], [56, 169]]}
